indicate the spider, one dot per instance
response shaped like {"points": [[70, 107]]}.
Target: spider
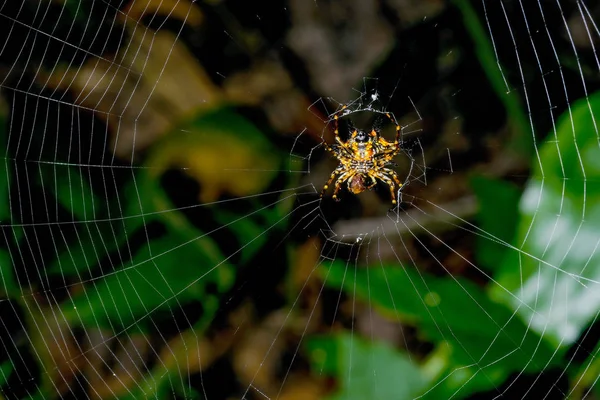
{"points": [[364, 158]]}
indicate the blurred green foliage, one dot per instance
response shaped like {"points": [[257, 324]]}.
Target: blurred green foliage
{"points": [[366, 370], [178, 264], [539, 251], [556, 262], [478, 343], [497, 218], [7, 277]]}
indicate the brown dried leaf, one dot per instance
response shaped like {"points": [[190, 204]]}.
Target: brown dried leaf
{"points": [[183, 10], [152, 84], [221, 160], [255, 359], [267, 84], [54, 344], [337, 59], [411, 12], [127, 362], [302, 388]]}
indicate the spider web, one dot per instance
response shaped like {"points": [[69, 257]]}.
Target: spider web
{"points": [[161, 240]]}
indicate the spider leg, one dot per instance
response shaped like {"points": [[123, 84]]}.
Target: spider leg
{"points": [[335, 172], [336, 130], [341, 152], [388, 181], [394, 176], [398, 129], [336, 126], [343, 149], [344, 153], [390, 149], [373, 181], [338, 184]]}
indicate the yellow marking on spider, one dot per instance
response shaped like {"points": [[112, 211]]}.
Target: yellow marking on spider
{"points": [[364, 159]]}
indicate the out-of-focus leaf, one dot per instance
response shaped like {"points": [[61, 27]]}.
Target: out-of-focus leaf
{"points": [[249, 230], [482, 341], [585, 375], [174, 270], [224, 152], [485, 51], [555, 275], [8, 283], [226, 155], [184, 260], [95, 241], [365, 370], [72, 190], [6, 368], [179, 87], [183, 10], [498, 215], [7, 278]]}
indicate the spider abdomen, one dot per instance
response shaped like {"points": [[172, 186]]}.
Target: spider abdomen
{"points": [[357, 184]]}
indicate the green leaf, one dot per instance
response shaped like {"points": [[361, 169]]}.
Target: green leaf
{"points": [[95, 240], [169, 271], [223, 151], [365, 370], [498, 216], [6, 369], [484, 49], [555, 272], [8, 283], [185, 259], [99, 238], [584, 375], [479, 343], [72, 190]]}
